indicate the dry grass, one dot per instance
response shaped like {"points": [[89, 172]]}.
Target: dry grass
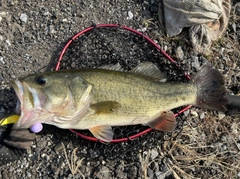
{"points": [[209, 150], [205, 149], [145, 162], [74, 162]]}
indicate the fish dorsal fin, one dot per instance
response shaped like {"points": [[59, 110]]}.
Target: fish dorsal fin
{"points": [[150, 70], [116, 67], [105, 107]]}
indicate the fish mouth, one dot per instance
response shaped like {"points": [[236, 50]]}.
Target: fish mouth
{"points": [[19, 90], [28, 105]]}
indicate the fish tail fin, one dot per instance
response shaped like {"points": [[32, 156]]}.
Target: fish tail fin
{"points": [[211, 91]]}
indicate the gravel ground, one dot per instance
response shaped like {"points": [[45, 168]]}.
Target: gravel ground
{"points": [[32, 34]]}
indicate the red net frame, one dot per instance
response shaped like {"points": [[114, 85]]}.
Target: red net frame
{"points": [[150, 41]]}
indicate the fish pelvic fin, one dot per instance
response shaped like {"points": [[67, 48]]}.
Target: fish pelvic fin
{"points": [[104, 133], [166, 122], [211, 91]]}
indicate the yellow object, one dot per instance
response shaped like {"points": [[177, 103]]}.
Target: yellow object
{"points": [[9, 120]]}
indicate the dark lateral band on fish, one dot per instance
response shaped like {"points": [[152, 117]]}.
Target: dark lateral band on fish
{"points": [[97, 99]]}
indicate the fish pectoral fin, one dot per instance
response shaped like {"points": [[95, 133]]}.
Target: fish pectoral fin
{"points": [[104, 133], [105, 107], [166, 122]]}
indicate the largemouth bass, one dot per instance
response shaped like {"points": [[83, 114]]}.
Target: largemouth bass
{"points": [[97, 99]]}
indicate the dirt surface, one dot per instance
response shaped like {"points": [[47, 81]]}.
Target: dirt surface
{"points": [[32, 34]]}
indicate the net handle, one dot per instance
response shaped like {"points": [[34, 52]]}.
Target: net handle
{"points": [[139, 34]]}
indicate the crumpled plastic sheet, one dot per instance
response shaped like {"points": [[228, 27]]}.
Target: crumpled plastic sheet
{"points": [[207, 19]]}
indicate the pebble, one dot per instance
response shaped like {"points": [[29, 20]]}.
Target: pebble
{"points": [[2, 15], [194, 113], [23, 17], [1, 60], [103, 173], [186, 112], [221, 115], [45, 156], [159, 175], [153, 154], [195, 62], [202, 115], [41, 144], [150, 173], [51, 29], [8, 42], [179, 52], [130, 15], [84, 151], [120, 171]]}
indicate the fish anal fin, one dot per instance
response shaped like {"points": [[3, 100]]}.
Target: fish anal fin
{"points": [[148, 69], [104, 133], [105, 107], [166, 122]]}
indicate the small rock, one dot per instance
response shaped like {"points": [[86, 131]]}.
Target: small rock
{"points": [[3, 14], [130, 15], [221, 115], [8, 42], [120, 171], [103, 173], [55, 14], [46, 13], [84, 151], [132, 172], [202, 115], [58, 147], [194, 113], [45, 156], [23, 17], [51, 29], [150, 173], [41, 144], [159, 175], [144, 29], [1, 60], [153, 154], [195, 62], [179, 52], [186, 112]]}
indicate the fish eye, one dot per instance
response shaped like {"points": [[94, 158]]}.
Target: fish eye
{"points": [[41, 80]]}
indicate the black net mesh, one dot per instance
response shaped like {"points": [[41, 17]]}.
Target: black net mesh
{"points": [[102, 46]]}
